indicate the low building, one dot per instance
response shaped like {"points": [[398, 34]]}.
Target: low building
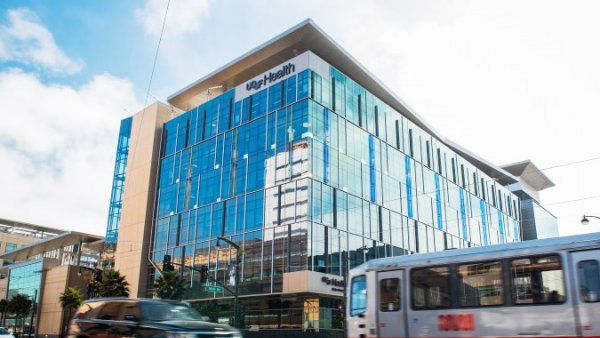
{"points": [[42, 271], [15, 234]]}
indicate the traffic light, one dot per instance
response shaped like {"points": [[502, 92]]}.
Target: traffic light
{"points": [[167, 265], [203, 274]]}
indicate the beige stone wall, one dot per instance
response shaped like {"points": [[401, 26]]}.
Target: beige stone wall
{"points": [[312, 281], [56, 281], [50, 311], [3, 287], [138, 198]]}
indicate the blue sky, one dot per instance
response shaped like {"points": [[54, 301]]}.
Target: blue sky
{"points": [[100, 33], [508, 80]]}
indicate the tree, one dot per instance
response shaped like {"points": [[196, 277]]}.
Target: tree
{"points": [[114, 285], [69, 300], [169, 286], [3, 310], [20, 306]]}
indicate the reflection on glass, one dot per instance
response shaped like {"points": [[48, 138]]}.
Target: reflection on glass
{"points": [[358, 296], [537, 280], [389, 294], [589, 281], [480, 284], [430, 288]]}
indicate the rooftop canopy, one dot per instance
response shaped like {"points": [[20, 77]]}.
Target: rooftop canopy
{"points": [[530, 174], [28, 229], [300, 38], [47, 245]]}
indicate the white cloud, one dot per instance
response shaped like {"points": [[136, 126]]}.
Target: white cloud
{"points": [[57, 148], [184, 16], [25, 40]]}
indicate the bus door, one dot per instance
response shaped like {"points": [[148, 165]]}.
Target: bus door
{"points": [[587, 287], [391, 309]]}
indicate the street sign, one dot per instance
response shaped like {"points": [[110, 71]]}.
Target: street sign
{"points": [[213, 288]]}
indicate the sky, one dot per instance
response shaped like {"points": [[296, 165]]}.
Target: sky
{"points": [[508, 80]]}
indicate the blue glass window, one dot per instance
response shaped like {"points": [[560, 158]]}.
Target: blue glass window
{"points": [[217, 228], [276, 96], [254, 211], [170, 137], [258, 105], [203, 224], [303, 84], [409, 191], [290, 89], [226, 111]]}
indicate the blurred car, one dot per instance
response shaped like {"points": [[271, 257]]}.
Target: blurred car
{"points": [[5, 334], [126, 317]]}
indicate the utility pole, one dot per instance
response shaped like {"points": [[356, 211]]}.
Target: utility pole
{"points": [[33, 310]]}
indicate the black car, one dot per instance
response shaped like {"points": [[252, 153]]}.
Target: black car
{"points": [[126, 317]]}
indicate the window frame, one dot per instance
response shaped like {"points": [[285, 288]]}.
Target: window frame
{"points": [[351, 308], [579, 280], [506, 289], [399, 290], [507, 280], [449, 287], [509, 261]]}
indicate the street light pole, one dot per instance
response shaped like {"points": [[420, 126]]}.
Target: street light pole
{"points": [[236, 301], [364, 250], [33, 310], [586, 221]]}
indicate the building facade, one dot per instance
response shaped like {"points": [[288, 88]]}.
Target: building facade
{"points": [[116, 195], [138, 198], [299, 155]]}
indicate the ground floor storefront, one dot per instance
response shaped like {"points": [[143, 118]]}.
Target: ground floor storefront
{"points": [[297, 314]]}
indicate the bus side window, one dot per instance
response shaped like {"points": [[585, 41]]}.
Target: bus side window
{"points": [[537, 280], [389, 294], [430, 288], [480, 284], [589, 281]]}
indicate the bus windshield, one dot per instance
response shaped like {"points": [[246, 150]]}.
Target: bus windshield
{"points": [[358, 298]]}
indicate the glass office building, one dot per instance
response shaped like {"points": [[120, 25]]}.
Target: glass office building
{"points": [[314, 173], [312, 167]]}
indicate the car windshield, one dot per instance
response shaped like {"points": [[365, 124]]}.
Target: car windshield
{"points": [[3, 331], [164, 312]]}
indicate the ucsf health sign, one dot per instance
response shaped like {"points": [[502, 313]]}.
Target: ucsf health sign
{"points": [[271, 77], [276, 74]]}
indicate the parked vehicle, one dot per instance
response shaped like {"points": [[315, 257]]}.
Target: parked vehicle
{"points": [[5, 334], [542, 288], [126, 317]]}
